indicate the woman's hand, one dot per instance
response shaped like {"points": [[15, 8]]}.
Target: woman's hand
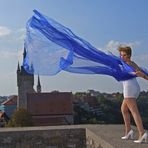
{"points": [[141, 74]]}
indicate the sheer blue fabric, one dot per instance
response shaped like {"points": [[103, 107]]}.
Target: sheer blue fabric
{"points": [[51, 47]]}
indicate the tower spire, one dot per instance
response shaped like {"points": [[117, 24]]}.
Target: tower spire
{"points": [[39, 85], [18, 67], [24, 54]]}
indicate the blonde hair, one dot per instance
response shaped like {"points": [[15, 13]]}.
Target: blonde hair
{"points": [[126, 49]]}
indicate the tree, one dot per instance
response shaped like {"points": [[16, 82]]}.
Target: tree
{"points": [[20, 118]]}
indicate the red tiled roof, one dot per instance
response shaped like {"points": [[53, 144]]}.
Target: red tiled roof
{"points": [[59, 103], [12, 100]]}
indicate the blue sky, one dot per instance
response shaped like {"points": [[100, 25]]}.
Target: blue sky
{"points": [[104, 23]]}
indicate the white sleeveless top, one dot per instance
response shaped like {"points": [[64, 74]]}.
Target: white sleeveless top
{"points": [[131, 88]]}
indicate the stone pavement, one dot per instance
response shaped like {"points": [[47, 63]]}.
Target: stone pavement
{"points": [[112, 134]]}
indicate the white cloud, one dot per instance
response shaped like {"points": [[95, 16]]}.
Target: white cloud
{"points": [[113, 45], [11, 55], [7, 54], [4, 31], [17, 35], [21, 34], [14, 35]]}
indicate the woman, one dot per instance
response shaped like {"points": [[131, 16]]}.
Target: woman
{"points": [[131, 91]]}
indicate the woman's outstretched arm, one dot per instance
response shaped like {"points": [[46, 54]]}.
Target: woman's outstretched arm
{"points": [[141, 74], [138, 71]]}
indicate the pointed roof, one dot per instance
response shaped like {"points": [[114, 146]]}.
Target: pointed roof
{"points": [[39, 84], [32, 68], [18, 66], [24, 54]]}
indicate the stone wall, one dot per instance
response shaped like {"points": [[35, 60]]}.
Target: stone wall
{"points": [[43, 138], [95, 141]]}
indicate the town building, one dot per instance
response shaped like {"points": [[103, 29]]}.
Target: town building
{"points": [[50, 108], [9, 106]]}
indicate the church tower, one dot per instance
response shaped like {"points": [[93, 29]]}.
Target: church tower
{"points": [[25, 83]]}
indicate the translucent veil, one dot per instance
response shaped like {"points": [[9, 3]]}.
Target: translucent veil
{"points": [[51, 47]]}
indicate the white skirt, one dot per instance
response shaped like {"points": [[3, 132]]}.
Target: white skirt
{"points": [[131, 88]]}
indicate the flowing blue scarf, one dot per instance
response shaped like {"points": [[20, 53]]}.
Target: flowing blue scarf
{"points": [[51, 47]]}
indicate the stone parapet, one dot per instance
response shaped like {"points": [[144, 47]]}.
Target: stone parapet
{"points": [[69, 136]]}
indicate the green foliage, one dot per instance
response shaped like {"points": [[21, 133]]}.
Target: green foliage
{"points": [[20, 118], [110, 105], [111, 110], [80, 94], [143, 108], [92, 121]]}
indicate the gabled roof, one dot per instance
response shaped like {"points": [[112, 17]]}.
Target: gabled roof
{"points": [[12, 100]]}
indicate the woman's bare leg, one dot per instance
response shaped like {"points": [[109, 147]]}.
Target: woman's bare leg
{"points": [[126, 116], [132, 105]]}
